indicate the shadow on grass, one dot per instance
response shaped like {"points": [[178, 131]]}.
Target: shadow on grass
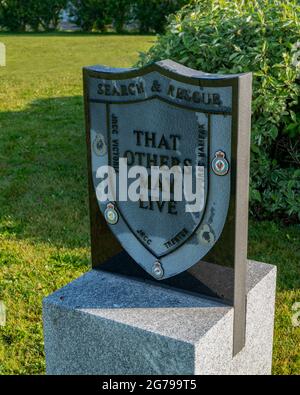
{"points": [[43, 174]]}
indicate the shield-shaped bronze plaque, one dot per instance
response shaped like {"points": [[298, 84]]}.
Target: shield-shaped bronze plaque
{"points": [[167, 115]]}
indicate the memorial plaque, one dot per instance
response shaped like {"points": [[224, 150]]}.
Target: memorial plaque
{"points": [[196, 127]]}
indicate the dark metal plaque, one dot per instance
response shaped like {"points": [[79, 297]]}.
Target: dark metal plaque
{"points": [[168, 115]]}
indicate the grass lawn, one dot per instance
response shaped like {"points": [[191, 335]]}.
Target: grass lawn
{"points": [[44, 226]]}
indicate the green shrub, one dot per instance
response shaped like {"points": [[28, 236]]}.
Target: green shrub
{"points": [[234, 36]]}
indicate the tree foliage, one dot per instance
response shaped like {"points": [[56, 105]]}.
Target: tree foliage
{"points": [[151, 15], [19, 15], [14, 15], [48, 12], [90, 14], [120, 12]]}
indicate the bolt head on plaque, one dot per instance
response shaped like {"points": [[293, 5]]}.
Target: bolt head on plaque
{"points": [[157, 270]]}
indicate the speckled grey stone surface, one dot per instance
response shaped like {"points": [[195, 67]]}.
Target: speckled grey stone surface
{"points": [[103, 323]]}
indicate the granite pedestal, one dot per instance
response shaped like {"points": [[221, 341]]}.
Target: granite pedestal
{"points": [[104, 323]]}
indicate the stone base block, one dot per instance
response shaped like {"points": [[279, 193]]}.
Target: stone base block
{"points": [[103, 323]]}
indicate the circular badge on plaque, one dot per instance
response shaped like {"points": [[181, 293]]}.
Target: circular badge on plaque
{"points": [[110, 214], [220, 164], [99, 145]]}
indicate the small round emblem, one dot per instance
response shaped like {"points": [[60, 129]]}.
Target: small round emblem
{"points": [[220, 164], [110, 214], [99, 145]]}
